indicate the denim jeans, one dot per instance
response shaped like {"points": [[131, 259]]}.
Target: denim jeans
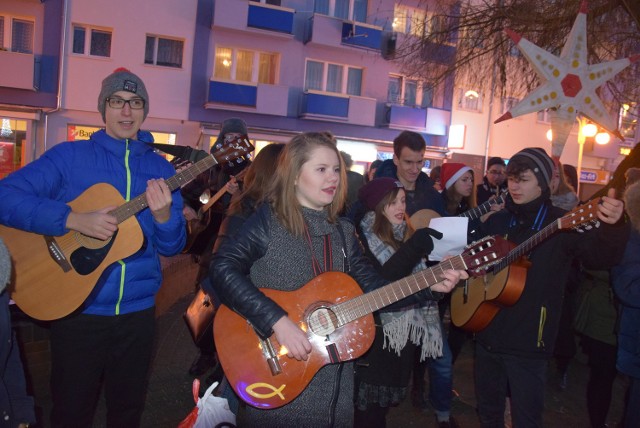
{"points": [[441, 381]]}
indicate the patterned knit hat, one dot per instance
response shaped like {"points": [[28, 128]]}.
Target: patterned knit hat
{"points": [[539, 162], [451, 172], [374, 191], [122, 80]]}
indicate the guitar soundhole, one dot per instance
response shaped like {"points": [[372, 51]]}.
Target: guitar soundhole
{"points": [[322, 322]]}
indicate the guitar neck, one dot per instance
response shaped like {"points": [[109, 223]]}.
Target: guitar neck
{"points": [[526, 246], [139, 203], [391, 293], [482, 209]]}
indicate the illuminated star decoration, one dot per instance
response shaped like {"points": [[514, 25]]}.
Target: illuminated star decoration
{"points": [[569, 83]]}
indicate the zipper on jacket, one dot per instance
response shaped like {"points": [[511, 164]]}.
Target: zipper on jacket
{"points": [[123, 266], [541, 322]]}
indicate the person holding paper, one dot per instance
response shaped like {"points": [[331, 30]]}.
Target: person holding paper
{"points": [[407, 327]]}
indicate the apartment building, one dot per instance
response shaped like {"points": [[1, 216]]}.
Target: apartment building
{"points": [[284, 66]]}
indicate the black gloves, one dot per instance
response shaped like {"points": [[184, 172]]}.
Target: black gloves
{"points": [[421, 241]]}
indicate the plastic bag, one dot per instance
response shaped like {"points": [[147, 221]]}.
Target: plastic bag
{"points": [[210, 411]]}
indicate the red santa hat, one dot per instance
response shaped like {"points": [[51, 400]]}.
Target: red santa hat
{"points": [[451, 172]]}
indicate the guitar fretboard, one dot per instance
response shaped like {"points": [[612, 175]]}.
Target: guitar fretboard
{"points": [[391, 293], [526, 246], [482, 209], [139, 203]]}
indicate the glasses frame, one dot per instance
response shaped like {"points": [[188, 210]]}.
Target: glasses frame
{"points": [[124, 102]]}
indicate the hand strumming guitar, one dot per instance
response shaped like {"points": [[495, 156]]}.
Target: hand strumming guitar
{"points": [[96, 224], [293, 338]]}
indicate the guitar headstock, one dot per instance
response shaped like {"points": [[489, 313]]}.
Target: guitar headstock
{"points": [[481, 255], [583, 215], [233, 151]]}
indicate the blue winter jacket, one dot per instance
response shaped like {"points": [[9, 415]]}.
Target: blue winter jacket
{"points": [[626, 283], [35, 199]]}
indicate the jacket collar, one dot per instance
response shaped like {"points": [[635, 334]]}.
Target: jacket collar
{"points": [[137, 147]]}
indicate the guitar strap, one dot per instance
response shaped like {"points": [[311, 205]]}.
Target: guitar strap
{"points": [[328, 259]]}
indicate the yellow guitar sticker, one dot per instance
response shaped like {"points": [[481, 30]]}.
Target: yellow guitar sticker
{"points": [[251, 390]]}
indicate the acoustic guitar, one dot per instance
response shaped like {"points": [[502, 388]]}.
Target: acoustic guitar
{"points": [[336, 315], [422, 218], [53, 275], [475, 304], [196, 226]]}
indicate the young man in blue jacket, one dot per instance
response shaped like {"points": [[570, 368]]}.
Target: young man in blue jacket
{"points": [[110, 336]]}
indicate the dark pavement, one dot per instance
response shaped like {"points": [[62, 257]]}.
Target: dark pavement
{"points": [[169, 397]]}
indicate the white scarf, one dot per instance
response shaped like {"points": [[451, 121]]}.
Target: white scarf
{"points": [[420, 324]]}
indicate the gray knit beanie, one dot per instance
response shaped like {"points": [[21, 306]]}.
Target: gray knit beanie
{"points": [[122, 80], [539, 162], [5, 266]]}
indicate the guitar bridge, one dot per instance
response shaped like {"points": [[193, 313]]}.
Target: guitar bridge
{"points": [[271, 357], [56, 253]]}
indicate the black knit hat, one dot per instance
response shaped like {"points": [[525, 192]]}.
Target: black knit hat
{"points": [[539, 162], [230, 125]]}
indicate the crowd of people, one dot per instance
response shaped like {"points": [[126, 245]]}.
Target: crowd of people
{"points": [[296, 213]]}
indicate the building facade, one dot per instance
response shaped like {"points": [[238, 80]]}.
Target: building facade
{"points": [[284, 66]]}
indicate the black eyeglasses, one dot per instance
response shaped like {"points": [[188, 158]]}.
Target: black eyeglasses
{"points": [[134, 103]]}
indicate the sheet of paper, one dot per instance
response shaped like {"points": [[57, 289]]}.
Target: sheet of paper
{"points": [[454, 239]]}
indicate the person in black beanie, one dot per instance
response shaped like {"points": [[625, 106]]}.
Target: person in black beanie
{"points": [[512, 352], [220, 177], [494, 182]]}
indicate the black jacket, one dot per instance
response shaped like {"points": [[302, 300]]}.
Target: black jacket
{"points": [[230, 269], [529, 327]]}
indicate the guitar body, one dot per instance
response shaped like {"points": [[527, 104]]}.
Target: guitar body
{"points": [[421, 218], [241, 353], [474, 306], [45, 289]]}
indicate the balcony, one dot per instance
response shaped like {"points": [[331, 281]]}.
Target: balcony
{"points": [[272, 18], [255, 98], [432, 121], [361, 35], [338, 107], [17, 70], [242, 15]]}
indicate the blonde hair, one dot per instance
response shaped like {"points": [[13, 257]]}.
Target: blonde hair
{"points": [[282, 193]]}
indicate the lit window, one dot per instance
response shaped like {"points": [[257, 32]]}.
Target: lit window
{"points": [[245, 66], [470, 99], [337, 78], [98, 41], [163, 51]]}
